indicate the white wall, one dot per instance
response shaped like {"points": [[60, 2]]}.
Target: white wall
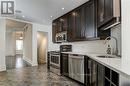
{"points": [[10, 43], [125, 29], [27, 44], [42, 44], [51, 46], [2, 44]]}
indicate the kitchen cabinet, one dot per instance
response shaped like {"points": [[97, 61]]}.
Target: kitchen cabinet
{"points": [[79, 30], [99, 75], [64, 64], [111, 77], [89, 21], [90, 30], [104, 9], [76, 27], [108, 13], [63, 23], [55, 30], [107, 77], [91, 73], [48, 60], [82, 22]]}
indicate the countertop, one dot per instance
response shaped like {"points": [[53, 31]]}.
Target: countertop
{"points": [[117, 64]]}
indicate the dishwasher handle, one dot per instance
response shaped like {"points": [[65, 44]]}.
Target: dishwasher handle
{"points": [[76, 56]]}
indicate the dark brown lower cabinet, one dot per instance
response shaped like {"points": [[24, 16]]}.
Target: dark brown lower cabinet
{"points": [[48, 60], [91, 73], [64, 65], [99, 75], [107, 77]]}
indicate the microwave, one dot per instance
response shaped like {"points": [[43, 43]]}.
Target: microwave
{"points": [[61, 37]]}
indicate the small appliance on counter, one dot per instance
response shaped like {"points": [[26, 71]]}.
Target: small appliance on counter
{"points": [[55, 58]]}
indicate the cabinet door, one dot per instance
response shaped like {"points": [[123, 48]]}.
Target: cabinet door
{"points": [[100, 11], [64, 63], [100, 75], [64, 23], [105, 11], [108, 10], [92, 72], [79, 24], [54, 30], [90, 29], [71, 26], [59, 25]]}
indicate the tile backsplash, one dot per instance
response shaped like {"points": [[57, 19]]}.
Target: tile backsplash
{"points": [[88, 46], [98, 46]]}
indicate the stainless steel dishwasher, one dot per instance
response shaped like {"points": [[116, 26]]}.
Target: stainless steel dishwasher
{"points": [[76, 67]]}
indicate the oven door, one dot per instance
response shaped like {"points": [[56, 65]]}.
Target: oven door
{"points": [[55, 60]]}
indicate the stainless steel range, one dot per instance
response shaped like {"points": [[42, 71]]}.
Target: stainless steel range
{"points": [[55, 60]]}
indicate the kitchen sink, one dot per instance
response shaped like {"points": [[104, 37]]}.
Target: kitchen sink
{"points": [[105, 56]]}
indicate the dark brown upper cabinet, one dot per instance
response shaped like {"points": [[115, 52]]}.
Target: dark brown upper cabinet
{"points": [[55, 28], [90, 21], [76, 29], [82, 23], [108, 13], [64, 23]]}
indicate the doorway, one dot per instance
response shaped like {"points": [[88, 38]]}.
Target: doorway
{"points": [[42, 43], [15, 31]]}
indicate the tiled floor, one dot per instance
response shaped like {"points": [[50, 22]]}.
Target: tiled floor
{"points": [[33, 76], [13, 62]]}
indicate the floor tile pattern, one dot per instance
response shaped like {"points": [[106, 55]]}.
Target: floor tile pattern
{"points": [[17, 61], [33, 76]]}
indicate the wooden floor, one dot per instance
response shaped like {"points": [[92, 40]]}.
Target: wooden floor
{"points": [[17, 61]]}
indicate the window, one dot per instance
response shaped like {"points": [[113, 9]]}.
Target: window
{"points": [[19, 44]]}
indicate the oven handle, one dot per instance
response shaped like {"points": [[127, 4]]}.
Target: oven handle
{"points": [[55, 55]]}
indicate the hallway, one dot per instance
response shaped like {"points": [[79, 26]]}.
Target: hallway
{"points": [[13, 62], [33, 76]]}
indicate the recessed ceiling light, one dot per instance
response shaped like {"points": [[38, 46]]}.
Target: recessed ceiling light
{"points": [[51, 16], [63, 8], [23, 16]]}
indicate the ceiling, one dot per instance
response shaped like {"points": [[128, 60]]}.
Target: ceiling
{"points": [[40, 11]]}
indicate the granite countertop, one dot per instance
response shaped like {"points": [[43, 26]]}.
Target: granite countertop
{"points": [[117, 64]]}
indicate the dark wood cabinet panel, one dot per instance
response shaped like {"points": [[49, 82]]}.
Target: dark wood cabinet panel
{"points": [[86, 22], [54, 30], [104, 11], [48, 60], [64, 65], [100, 75], [71, 26], [79, 24], [90, 23]]}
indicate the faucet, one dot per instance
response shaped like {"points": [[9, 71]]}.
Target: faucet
{"points": [[116, 51]]}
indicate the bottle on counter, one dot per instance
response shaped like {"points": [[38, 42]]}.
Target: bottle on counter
{"points": [[109, 50]]}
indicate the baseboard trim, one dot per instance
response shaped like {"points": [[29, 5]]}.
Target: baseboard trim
{"points": [[2, 68], [28, 61]]}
